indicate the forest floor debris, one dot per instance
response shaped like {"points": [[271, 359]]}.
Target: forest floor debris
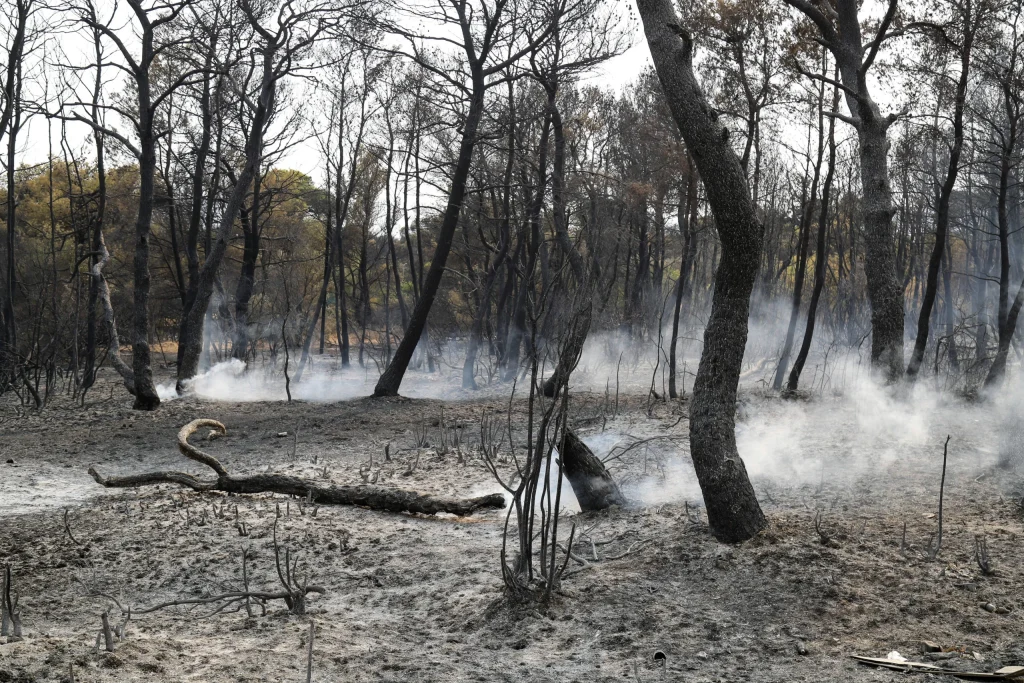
{"points": [[409, 597]]}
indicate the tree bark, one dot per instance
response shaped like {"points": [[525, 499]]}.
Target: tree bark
{"points": [[733, 511]]}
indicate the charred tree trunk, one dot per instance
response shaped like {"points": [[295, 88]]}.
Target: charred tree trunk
{"points": [[805, 237], [476, 334], [952, 354], [391, 379], [687, 221], [254, 141], [535, 202], [320, 309], [820, 255], [945, 194], [10, 123], [145, 391], [840, 32], [583, 301], [246, 279], [1007, 313], [195, 219], [733, 511]]}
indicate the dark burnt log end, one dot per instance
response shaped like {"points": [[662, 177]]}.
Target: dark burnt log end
{"points": [[594, 487]]}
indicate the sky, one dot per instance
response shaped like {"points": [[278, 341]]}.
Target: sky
{"points": [[615, 74]]}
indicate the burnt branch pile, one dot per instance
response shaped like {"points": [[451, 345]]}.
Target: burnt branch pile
{"points": [[373, 497]]}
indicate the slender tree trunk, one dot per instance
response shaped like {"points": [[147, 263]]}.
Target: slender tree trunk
{"points": [[391, 379], [145, 391], [950, 309], [1007, 314], [500, 258], [246, 278], [517, 328], [805, 237], [189, 365], [10, 122], [687, 220], [945, 194], [320, 309], [582, 303], [195, 219], [10, 319], [820, 255]]}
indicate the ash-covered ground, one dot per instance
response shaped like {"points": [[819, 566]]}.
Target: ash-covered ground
{"points": [[413, 598]]}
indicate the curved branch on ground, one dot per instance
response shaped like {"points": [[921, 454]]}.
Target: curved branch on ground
{"points": [[373, 497]]}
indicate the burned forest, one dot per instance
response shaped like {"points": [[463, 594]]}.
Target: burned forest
{"points": [[511, 340]]}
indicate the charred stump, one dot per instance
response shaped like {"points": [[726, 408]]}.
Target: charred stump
{"points": [[594, 487], [373, 497]]}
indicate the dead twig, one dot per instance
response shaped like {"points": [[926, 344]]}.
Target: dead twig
{"points": [[108, 637], [67, 528], [981, 556], [10, 616], [819, 528], [937, 545], [309, 653]]}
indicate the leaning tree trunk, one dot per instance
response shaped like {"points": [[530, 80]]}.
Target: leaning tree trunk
{"points": [[733, 511], [820, 256], [804, 241], [391, 379], [373, 497], [189, 365], [942, 214]]}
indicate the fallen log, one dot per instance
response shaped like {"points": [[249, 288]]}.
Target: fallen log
{"points": [[594, 487], [373, 497]]}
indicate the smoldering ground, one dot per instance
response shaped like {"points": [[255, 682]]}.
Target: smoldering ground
{"points": [[412, 598], [861, 458]]}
